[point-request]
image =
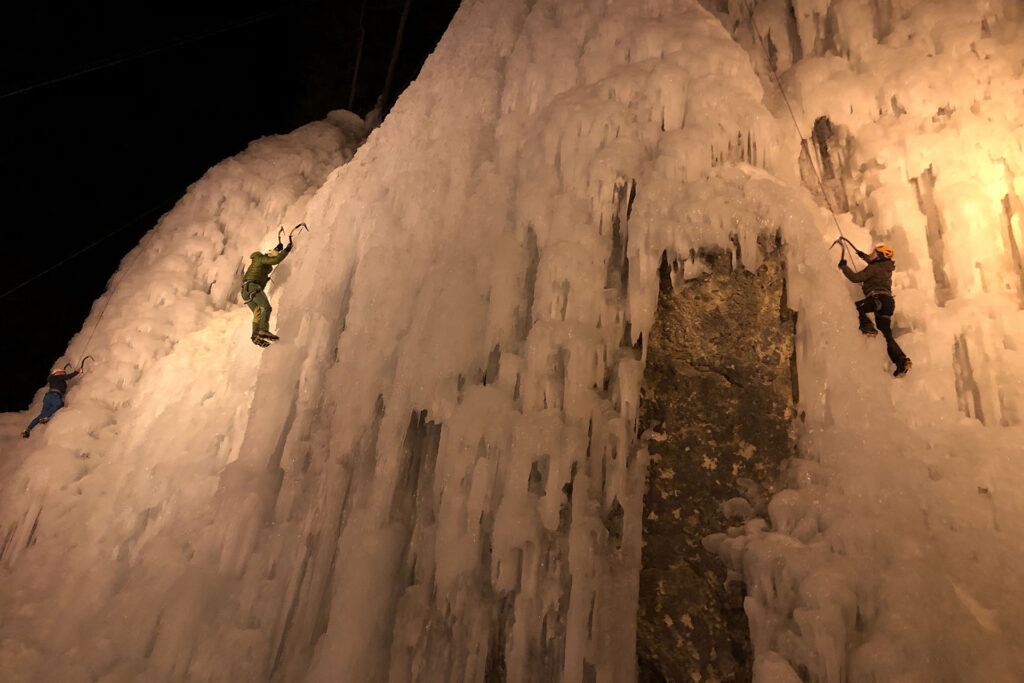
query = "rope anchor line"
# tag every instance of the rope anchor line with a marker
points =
(803, 141)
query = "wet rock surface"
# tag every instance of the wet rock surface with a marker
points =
(718, 396)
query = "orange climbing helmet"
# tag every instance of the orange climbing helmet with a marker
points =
(885, 251)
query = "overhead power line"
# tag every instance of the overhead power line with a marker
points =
(195, 37)
(163, 202)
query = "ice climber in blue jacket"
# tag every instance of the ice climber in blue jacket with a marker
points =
(53, 400)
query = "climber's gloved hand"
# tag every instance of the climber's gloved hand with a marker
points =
(864, 256)
(842, 263)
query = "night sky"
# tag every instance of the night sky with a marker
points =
(110, 111)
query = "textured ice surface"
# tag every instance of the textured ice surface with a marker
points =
(435, 473)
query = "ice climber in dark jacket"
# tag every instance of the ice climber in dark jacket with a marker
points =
(253, 283)
(876, 282)
(53, 400)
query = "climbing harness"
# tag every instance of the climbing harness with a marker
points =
(254, 292)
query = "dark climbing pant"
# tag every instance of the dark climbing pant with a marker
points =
(883, 306)
(52, 402)
(257, 301)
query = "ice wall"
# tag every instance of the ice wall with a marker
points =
(494, 302)
(435, 475)
(105, 514)
(890, 559)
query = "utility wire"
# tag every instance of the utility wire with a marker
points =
(803, 140)
(388, 80)
(99, 66)
(104, 238)
(359, 54)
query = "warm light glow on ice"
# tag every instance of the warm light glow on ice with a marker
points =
(414, 483)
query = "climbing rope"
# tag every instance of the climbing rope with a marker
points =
(113, 291)
(803, 141)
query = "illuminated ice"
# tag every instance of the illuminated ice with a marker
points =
(435, 474)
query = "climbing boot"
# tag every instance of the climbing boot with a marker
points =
(264, 334)
(902, 368)
(25, 434)
(868, 330)
(259, 341)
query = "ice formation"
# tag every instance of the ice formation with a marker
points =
(436, 474)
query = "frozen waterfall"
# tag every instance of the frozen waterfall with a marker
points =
(416, 482)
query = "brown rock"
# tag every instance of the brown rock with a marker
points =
(719, 390)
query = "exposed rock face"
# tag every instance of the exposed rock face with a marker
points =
(719, 390)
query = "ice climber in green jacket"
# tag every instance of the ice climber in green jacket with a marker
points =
(876, 282)
(253, 284)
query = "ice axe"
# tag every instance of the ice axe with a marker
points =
(292, 232)
(854, 248)
(842, 249)
(844, 244)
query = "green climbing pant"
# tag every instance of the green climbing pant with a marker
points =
(256, 299)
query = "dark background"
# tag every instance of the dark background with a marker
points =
(109, 111)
